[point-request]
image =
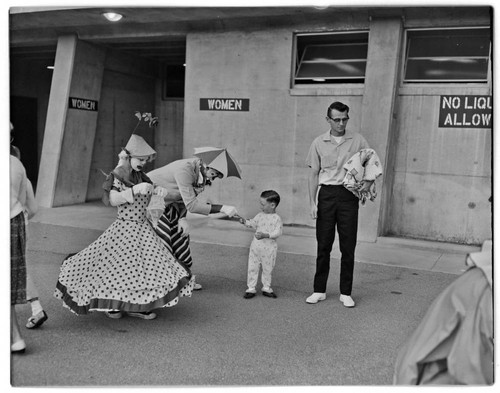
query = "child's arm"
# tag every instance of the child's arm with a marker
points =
(278, 228)
(251, 223)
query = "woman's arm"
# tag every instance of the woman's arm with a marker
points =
(31, 204)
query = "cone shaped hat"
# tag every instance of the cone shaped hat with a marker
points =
(138, 147)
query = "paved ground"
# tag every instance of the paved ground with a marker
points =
(93, 218)
(217, 338)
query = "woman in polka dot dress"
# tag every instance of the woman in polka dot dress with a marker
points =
(127, 270)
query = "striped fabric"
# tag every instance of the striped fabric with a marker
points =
(169, 232)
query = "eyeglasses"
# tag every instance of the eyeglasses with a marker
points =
(338, 119)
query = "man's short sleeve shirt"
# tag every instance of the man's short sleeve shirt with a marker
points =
(328, 157)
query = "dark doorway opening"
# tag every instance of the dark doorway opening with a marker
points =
(23, 115)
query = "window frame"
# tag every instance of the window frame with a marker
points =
(334, 82)
(444, 82)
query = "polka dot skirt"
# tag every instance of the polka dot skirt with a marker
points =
(127, 268)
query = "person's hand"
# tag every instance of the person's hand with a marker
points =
(160, 191)
(260, 235)
(228, 210)
(365, 185)
(183, 224)
(314, 211)
(142, 188)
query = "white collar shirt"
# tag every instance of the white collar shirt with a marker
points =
(328, 157)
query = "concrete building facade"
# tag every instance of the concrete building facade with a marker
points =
(242, 89)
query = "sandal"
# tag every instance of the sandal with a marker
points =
(37, 320)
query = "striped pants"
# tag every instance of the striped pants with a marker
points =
(170, 234)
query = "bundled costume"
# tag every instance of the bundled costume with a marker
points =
(364, 165)
(453, 344)
(263, 252)
(127, 268)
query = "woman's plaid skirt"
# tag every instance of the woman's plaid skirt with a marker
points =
(17, 260)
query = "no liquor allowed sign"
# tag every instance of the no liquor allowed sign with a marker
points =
(465, 111)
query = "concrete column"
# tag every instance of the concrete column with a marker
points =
(69, 132)
(381, 82)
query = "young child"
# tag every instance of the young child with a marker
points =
(268, 227)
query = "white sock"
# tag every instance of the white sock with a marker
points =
(36, 307)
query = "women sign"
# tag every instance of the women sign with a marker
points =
(465, 111)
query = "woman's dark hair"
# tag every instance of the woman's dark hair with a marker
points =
(271, 196)
(338, 106)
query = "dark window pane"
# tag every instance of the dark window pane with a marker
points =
(174, 86)
(463, 46)
(452, 69)
(347, 69)
(454, 55)
(331, 58)
(335, 52)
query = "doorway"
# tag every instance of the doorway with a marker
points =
(23, 115)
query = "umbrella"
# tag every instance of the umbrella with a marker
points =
(219, 159)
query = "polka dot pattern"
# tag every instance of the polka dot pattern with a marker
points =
(127, 268)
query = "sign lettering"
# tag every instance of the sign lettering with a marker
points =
(82, 104)
(465, 112)
(225, 104)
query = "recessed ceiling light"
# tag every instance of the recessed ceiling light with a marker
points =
(112, 16)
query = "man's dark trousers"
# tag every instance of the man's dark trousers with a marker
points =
(337, 207)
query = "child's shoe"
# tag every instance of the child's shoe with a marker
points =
(269, 294)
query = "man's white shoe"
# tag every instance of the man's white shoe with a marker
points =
(316, 297)
(347, 300)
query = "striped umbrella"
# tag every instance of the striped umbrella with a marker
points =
(219, 159)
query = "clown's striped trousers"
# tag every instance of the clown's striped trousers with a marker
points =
(170, 234)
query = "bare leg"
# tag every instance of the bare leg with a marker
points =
(16, 338)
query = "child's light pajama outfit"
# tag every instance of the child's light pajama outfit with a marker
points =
(263, 252)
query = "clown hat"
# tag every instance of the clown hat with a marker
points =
(138, 147)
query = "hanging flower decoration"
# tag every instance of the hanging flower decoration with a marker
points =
(147, 117)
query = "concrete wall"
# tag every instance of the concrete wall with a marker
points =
(256, 65)
(442, 178)
(131, 84)
(272, 139)
(436, 183)
(69, 133)
(169, 133)
(121, 97)
(128, 86)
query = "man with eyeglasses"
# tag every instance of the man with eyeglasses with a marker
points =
(333, 205)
